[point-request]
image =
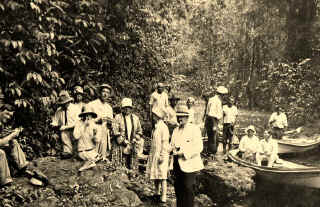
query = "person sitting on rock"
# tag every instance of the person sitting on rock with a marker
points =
(278, 122)
(65, 119)
(11, 151)
(85, 131)
(249, 146)
(269, 149)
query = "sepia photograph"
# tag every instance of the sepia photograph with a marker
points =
(159, 103)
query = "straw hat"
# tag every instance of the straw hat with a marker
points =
(251, 127)
(182, 110)
(64, 97)
(126, 102)
(78, 89)
(86, 111)
(105, 86)
(160, 85)
(222, 90)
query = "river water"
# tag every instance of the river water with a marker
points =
(268, 194)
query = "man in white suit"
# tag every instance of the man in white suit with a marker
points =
(186, 145)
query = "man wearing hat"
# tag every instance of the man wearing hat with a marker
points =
(249, 146)
(64, 119)
(213, 116)
(85, 131)
(127, 131)
(104, 111)
(158, 99)
(78, 98)
(230, 112)
(186, 145)
(278, 122)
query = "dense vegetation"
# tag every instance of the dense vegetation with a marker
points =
(265, 51)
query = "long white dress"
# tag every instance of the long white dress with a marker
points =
(159, 149)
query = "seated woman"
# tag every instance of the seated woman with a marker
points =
(85, 131)
(249, 146)
(269, 149)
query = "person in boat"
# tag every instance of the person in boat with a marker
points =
(64, 119)
(213, 118)
(190, 104)
(230, 113)
(278, 122)
(85, 131)
(249, 145)
(102, 107)
(268, 149)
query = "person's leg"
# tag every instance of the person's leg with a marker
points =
(5, 177)
(188, 190)
(18, 156)
(210, 134)
(66, 141)
(157, 187)
(225, 137)
(164, 190)
(178, 182)
(102, 145)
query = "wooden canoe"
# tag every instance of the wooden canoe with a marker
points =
(285, 172)
(287, 145)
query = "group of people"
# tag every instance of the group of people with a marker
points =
(256, 150)
(117, 139)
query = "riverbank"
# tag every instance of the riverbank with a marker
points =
(220, 183)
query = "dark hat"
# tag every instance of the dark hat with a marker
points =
(64, 97)
(86, 111)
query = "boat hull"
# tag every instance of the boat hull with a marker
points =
(286, 147)
(289, 173)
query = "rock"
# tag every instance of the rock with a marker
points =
(203, 200)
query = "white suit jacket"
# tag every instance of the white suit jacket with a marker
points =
(190, 142)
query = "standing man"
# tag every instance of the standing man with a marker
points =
(127, 128)
(230, 113)
(186, 145)
(158, 100)
(278, 122)
(64, 119)
(78, 98)
(214, 116)
(104, 111)
(171, 119)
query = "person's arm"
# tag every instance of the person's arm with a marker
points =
(272, 119)
(77, 130)
(5, 141)
(151, 102)
(285, 121)
(242, 144)
(138, 127)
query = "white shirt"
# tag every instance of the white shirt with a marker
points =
(190, 142)
(159, 101)
(269, 147)
(251, 145)
(85, 135)
(171, 116)
(214, 107)
(101, 109)
(72, 113)
(280, 120)
(230, 114)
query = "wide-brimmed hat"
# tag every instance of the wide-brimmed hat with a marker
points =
(160, 85)
(191, 100)
(87, 111)
(222, 90)
(126, 102)
(78, 90)
(64, 97)
(182, 110)
(251, 127)
(105, 86)
(159, 113)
